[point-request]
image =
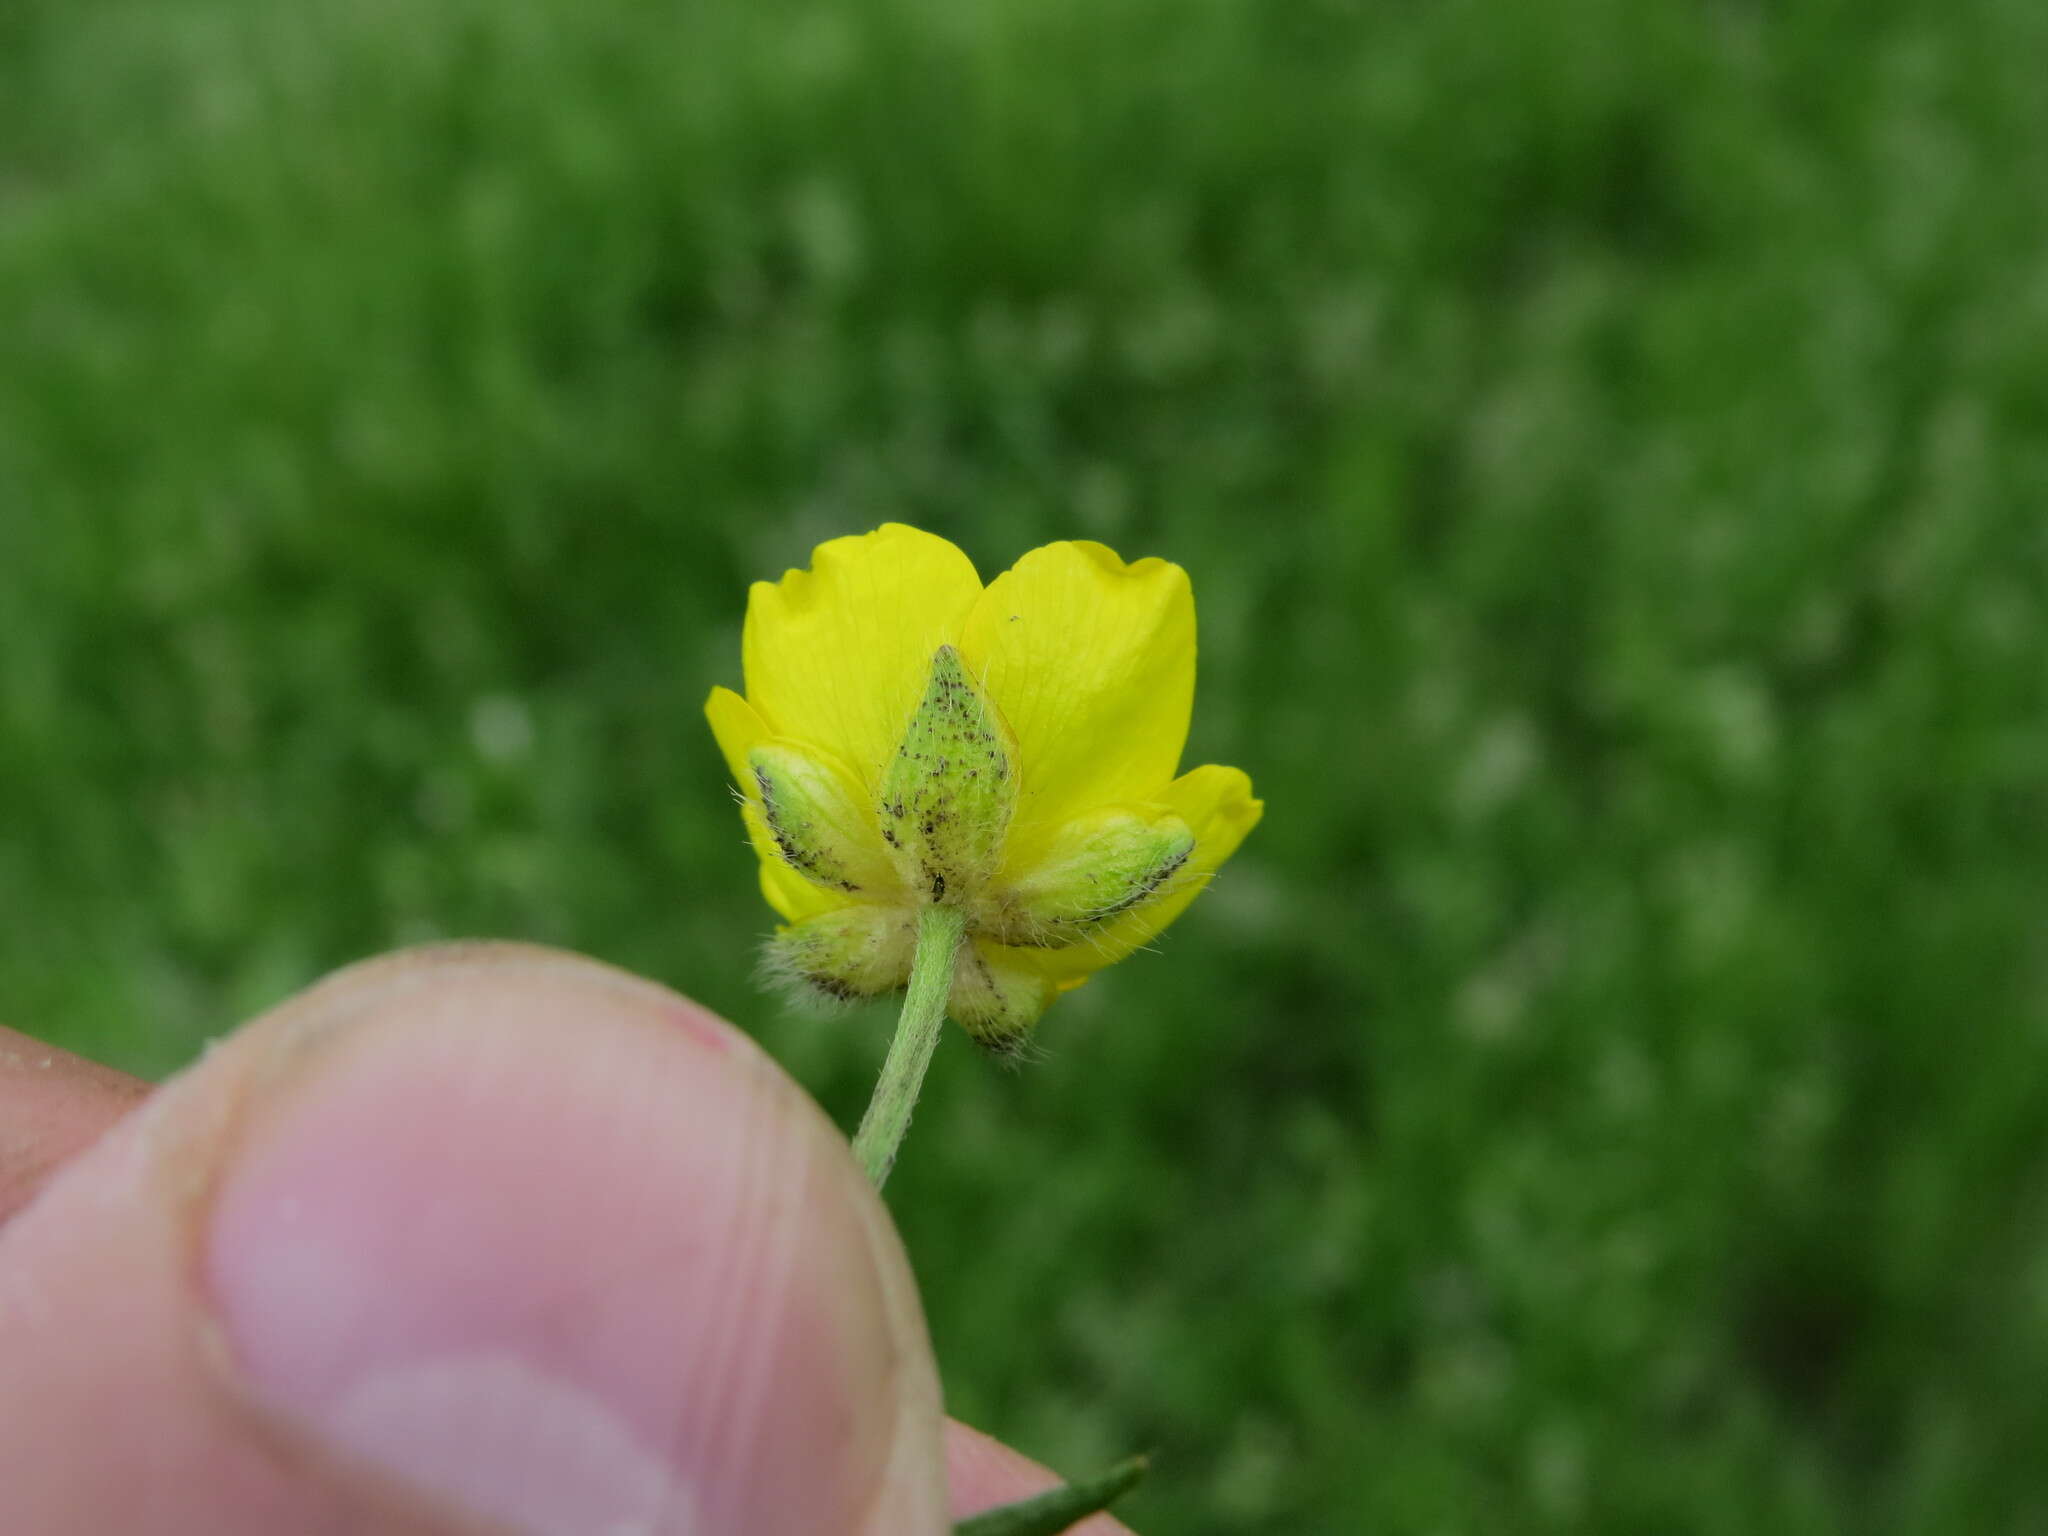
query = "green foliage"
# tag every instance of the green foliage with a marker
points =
(1610, 443)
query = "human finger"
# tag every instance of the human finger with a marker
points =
(53, 1105)
(485, 1238)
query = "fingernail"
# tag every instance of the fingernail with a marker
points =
(534, 1252)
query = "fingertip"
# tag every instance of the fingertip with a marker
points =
(525, 1237)
(557, 1244)
(53, 1105)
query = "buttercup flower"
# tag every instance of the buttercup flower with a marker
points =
(911, 738)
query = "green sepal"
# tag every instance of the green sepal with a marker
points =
(947, 794)
(1061, 1509)
(844, 955)
(811, 808)
(995, 1000)
(1096, 868)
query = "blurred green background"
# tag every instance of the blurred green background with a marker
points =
(1610, 443)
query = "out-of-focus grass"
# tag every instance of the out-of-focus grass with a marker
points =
(1611, 446)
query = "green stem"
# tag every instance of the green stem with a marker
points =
(917, 1034)
(1062, 1508)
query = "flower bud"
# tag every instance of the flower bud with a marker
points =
(1096, 867)
(813, 812)
(947, 795)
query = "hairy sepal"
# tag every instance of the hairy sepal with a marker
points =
(1096, 868)
(843, 956)
(996, 1000)
(816, 818)
(948, 793)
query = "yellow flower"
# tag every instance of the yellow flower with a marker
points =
(910, 737)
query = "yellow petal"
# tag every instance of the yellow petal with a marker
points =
(1092, 663)
(737, 729)
(838, 655)
(1217, 804)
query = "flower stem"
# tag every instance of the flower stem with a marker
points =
(917, 1034)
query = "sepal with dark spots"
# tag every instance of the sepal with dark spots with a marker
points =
(846, 955)
(1096, 868)
(995, 999)
(947, 795)
(814, 815)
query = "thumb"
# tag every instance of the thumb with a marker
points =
(470, 1239)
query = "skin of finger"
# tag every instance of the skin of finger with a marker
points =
(103, 1320)
(53, 1105)
(984, 1474)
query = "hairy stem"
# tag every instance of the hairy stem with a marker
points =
(939, 930)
